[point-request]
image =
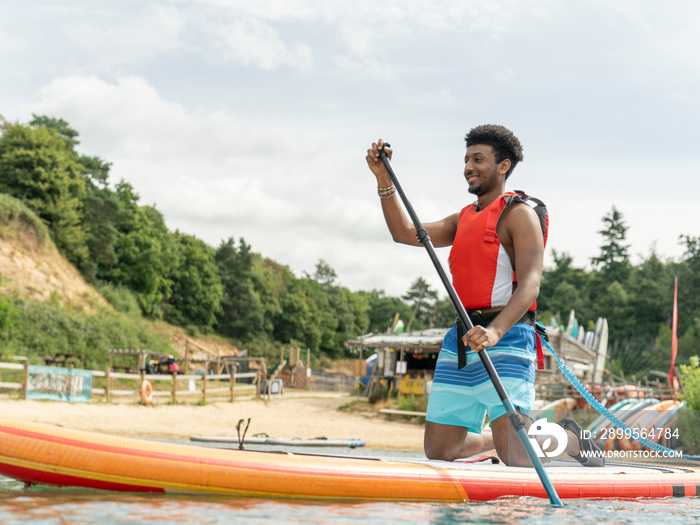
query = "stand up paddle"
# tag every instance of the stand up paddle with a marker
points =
(513, 416)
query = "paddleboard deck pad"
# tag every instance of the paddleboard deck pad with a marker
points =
(41, 454)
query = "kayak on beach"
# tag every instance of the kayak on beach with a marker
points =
(35, 453)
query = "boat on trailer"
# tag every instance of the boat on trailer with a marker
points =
(41, 454)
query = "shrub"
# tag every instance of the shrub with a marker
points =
(121, 298)
(41, 330)
(13, 211)
(689, 417)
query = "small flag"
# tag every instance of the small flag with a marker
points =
(674, 335)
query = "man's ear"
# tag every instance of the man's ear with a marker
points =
(504, 166)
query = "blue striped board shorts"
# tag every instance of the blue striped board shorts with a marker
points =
(464, 397)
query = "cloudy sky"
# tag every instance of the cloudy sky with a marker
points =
(252, 118)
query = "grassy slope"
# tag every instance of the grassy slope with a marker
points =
(47, 308)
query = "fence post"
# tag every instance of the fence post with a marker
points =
(138, 392)
(258, 385)
(204, 385)
(187, 356)
(233, 381)
(108, 386)
(26, 379)
(174, 388)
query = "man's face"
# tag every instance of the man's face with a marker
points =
(481, 170)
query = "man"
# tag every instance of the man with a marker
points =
(496, 264)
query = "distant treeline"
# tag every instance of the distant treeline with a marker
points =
(126, 250)
(637, 300)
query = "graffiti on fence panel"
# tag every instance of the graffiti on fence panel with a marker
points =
(59, 384)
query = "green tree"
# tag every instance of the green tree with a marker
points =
(653, 284)
(689, 420)
(297, 323)
(325, 321)
(242, 313)
(60, 126)
(196, 285)
(93, 168)
(100, 205)
(39, 167)
(145, 253)
(270, 284)
(7, 326)
(566, 297)
(343, 314)
(333, 315)
(349, 314)
(613, 261)
(443, 314)
(615, 305)
(382, 309)
(422, 298)
(650, 290)
(324, 274)
(360, 309)
(102, 212)
(689, 340)
(311, 311)
(318, 289)
(564, 287)
(291, 305)
(688, 282)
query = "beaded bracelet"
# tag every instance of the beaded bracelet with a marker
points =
(385, 193)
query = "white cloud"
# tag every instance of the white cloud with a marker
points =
(216, 175)
(10, 43)
(265, 9)
(129, 116)
(251, 118)
(256, 43)
(113, 38)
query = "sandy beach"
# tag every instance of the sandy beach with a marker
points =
(304, 416)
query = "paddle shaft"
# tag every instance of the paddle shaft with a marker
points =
(513, 416)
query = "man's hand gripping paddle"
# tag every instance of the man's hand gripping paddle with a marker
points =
(513, 416)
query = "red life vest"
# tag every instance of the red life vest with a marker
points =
(482, 272)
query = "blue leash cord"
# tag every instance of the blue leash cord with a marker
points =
(668, 452)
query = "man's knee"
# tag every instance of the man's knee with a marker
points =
(440, 453)
(444, 442)
(509, 447)
(440, 449)
(515, 460)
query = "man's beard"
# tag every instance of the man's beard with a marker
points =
(483, 187)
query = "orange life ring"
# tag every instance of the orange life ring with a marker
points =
(146, 392)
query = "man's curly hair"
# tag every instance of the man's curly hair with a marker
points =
(505, 145)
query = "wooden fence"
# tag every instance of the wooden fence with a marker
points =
(203, 386)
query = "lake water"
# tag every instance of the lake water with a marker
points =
(54, 506)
